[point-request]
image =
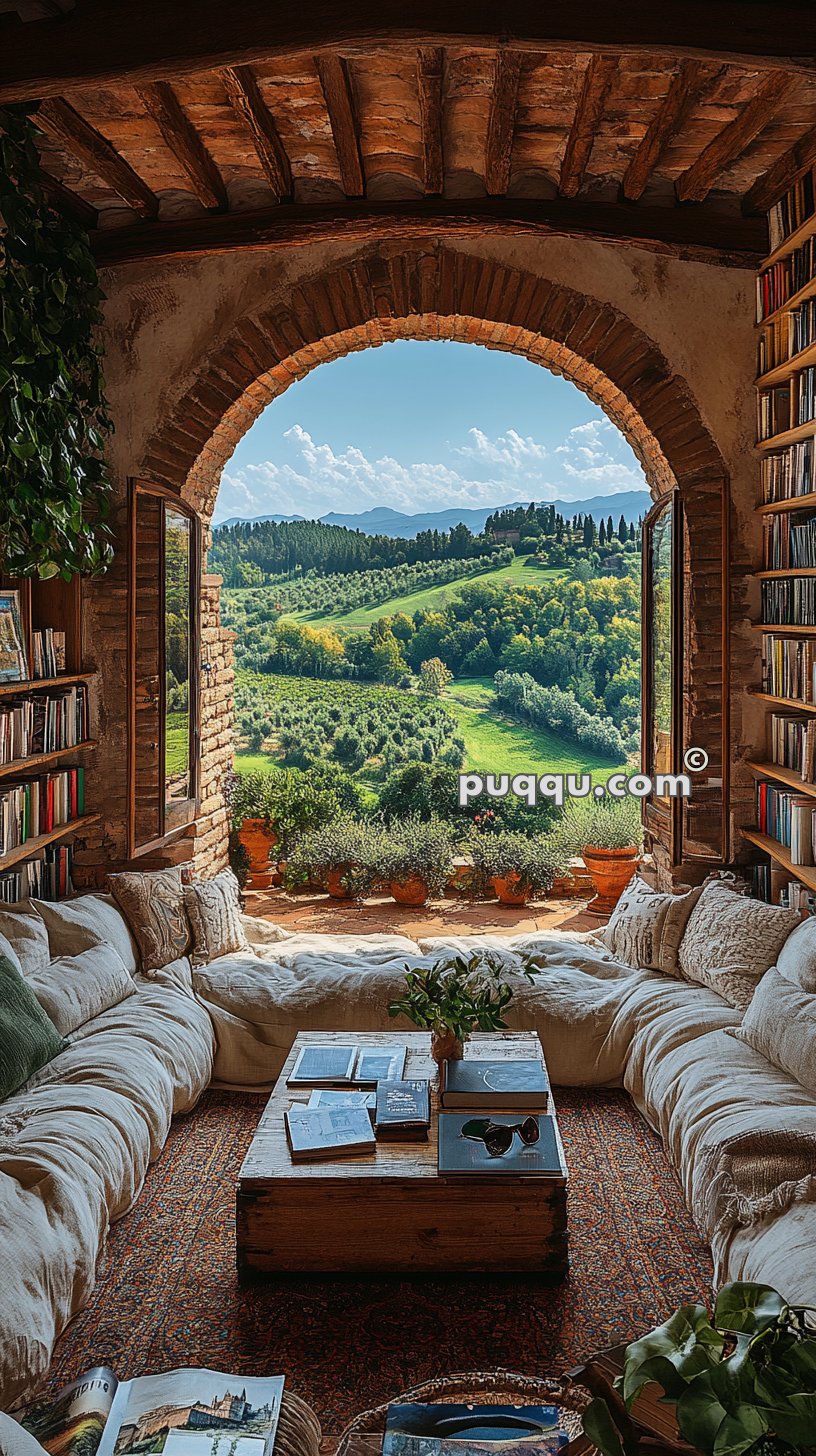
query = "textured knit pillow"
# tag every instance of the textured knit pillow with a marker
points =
(214, 912)
(27, 1038)
(634, 931)
(153, 905)
(731, 941)
(75, 989)
(780, 1024)
(797, 959)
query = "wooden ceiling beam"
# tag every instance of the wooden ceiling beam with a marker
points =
(335, 83)
(69, 202)
(501, 123)
(430, 73)
(684, 90)
(772, 184)
(245, 98)
(598, 78)
(696, 182)
(58, 119)
(102, 42)
(183, 140)
(697, 233)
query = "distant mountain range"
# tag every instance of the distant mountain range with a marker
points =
(383, 521)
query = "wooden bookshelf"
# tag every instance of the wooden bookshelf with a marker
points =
(786, 776)
(43, 760)
(786, 572)
(36, 684)
(796, 503)
(32, 847)
(776, 702)
(780, 855)
(788, 437)
(788, 367)
(783, 629)
(793, 241)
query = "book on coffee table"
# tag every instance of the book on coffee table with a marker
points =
(505, 1086)
(471, 1430)
(403, 1111)
(323, 1064)
(459, 1153)
(379, 1064)
(328, 1132)
(339, 1097)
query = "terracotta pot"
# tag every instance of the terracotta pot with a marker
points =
(446, 1046)
(335, 881)
(611, 871)
(258, 840)
(411, 891)
(511, 889)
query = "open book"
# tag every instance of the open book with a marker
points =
(187, 1412)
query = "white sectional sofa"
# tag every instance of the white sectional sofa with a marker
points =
(76, 1140)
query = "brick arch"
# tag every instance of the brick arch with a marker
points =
(432, 294)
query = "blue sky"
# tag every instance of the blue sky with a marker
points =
(425, 426)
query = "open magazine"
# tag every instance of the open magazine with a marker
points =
(187, 1412)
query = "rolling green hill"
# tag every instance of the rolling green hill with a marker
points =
(524, 571)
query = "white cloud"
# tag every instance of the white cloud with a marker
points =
(311, 478)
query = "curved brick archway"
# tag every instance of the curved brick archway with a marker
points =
(433, 294)
(392, 292)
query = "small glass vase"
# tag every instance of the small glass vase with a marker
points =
(446, 1046)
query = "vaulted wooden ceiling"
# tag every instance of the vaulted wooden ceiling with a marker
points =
(236, 145)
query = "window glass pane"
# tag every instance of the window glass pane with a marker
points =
(177, 569)
(659, 596)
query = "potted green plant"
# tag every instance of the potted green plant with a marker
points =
(609, 835)
(516, 867)
(455, 997)
(418, 861)
(346, 855)
(743, 1381)
(253, 802)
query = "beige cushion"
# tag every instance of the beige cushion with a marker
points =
(730, 942)
(780, 1024)
(26, 931)
(153, 905)
(75, 989)
(634, 931)
(797, 959)
(214, 912)
(77, 925)
(674, 928)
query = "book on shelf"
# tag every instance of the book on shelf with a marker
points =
(48, 652)
(501, 1086)
(328, 1064)
(189, 1409)
(40, 804)
(788, 818)
(786, 336)
(13, 658)
(774, 885)
(792, 742)
(461, 1153)
(792, 210)
(339, 1097)
(789, 541)
(790, 601)
(789, 473)
(462, 1430)
(774, 411)
(47, 876)
(789, 667)
(43, 723)
(403, 1110)
(328, 1132)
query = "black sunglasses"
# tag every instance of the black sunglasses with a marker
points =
(498, 1136)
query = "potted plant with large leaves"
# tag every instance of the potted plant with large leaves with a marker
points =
(608, 835)
(515, 866)
(418, 861)
(455, 997)
(742, 1383)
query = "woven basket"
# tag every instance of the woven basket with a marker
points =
(298, 1430)
(363, 1436)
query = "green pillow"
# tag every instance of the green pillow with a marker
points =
(28, 1038)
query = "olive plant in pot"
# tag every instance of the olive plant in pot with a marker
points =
(253, 802)
(455, 997)
(608, 835)
(515, 866)
(742, 1383)
(418, 861)
(346, 855)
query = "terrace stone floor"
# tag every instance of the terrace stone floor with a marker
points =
(317, 912)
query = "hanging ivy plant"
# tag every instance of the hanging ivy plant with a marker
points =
(54, 483)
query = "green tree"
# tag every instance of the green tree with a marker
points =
(434, 677)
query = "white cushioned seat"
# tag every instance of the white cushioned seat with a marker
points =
(780, 1252)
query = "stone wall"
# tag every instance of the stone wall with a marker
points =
(196, 350)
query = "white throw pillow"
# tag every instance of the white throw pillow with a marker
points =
(634, 930)
(28, 936)
(75, 989)
(214, 912)
(731, 941)
(89, 920)
(797, 958)
(780, 1024)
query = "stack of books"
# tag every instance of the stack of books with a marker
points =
(793, 744)
(48, 652)
(47, 877)
(40, 804)
(789, 667)
(774, 411)
(43, 724)
(790, 473)
(789, 542)
(788, 818)
(508, 1094)
(790, 212)
(403, 1111)
(791, 601)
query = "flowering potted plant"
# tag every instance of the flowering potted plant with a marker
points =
(418, 861)
(517, 867)
(455, 997)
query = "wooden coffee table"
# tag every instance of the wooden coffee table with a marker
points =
(389, 1211)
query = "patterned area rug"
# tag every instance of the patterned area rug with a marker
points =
(168, 1293)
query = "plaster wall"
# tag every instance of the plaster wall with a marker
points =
(163, 321)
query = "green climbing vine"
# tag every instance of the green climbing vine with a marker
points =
(54, 483)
